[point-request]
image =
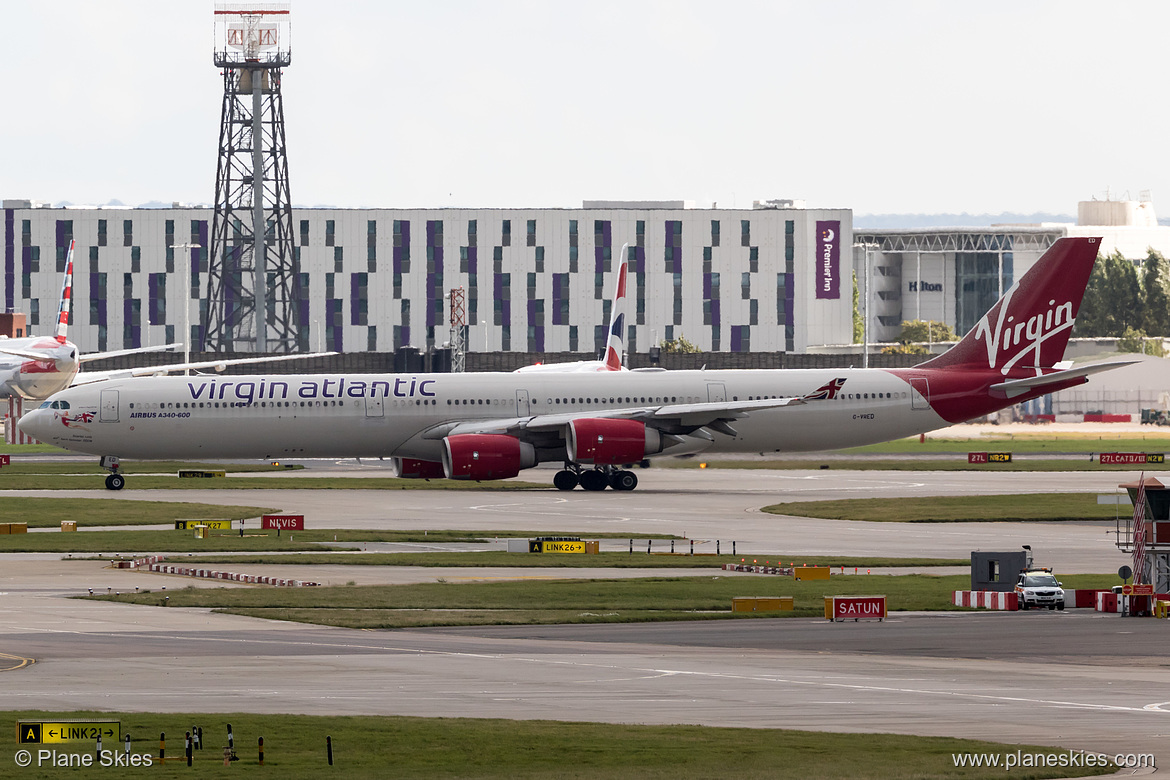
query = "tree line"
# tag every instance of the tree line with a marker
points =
(1119, 302)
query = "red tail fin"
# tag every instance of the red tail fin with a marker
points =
(1029, 326)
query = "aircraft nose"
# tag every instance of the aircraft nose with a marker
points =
(35, 424)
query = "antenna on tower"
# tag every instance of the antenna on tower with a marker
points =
(253, 284)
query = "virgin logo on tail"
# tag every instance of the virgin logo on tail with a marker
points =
(1029, 326)
(1008, 333)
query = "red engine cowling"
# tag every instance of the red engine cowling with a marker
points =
(610, 442)
(481, 456)
(412, 468)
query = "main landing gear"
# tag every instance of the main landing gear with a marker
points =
(594, 479)
(115, 481)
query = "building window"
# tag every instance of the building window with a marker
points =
(506, 233)
(714, 232)
(127, 233)
(330, 232)
(532, 232)
(304, 232)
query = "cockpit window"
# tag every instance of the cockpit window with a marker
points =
(45, 405)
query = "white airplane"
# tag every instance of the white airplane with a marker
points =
(45, 365)
(615, 345)
(493, 425)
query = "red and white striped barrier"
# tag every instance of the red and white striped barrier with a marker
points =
(13, 434)
(987, 599)
(155, 564)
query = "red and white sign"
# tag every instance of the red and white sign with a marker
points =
(859, 607)
(283, 522)
(5, 460)
(1137, 590)
(976, 457)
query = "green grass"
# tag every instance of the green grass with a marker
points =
(607, 560)
(538, 600)
(130, 542)
(49, 512)
(404, 747)
(253, 540)
(1157, 440)
(172, 467)
(1060, 507)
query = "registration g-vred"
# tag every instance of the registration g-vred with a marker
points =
(493, 425)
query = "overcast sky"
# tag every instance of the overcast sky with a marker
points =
(875, 106)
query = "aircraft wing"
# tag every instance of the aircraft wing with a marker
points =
(119, 352)
(89, 377)
(670, 418)
(1014, 387)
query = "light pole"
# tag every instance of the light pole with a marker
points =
(186, 300)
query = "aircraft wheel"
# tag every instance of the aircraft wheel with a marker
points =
(624, 480)
(594, 480)
(565, 480)
(115, 482)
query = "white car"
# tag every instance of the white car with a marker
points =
(1039, 588)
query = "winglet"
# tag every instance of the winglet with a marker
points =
(66, 297)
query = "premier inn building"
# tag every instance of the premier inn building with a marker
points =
(775, 278)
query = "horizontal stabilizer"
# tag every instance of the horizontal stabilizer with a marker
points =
(89, 377)
(28, 354)
(1014, 387)
(92, 356)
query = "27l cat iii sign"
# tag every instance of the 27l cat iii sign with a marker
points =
(1130, 458)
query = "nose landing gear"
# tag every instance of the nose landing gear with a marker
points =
(115, 481)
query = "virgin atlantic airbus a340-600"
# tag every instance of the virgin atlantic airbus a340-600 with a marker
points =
(493, 425)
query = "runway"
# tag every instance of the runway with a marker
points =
(968, 675)
(1074, 679)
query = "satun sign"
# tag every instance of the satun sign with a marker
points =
(283, 522)
(838, 608)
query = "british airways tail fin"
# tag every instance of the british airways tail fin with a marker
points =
(66, 297)
(615, 345)
(1029, 327)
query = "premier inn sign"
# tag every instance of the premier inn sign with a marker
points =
(828, 259)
